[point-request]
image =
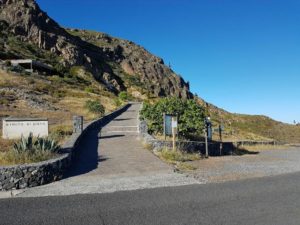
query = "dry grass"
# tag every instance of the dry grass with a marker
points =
(13, 158)
(5, 145)
(61, 132)
(176, 156)
(183, 166)
(9, 157)
(68, 98)
(180, 160)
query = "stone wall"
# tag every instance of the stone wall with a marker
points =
(187, 146)
(35, 174)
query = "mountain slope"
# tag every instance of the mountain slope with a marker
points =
(29, 23)
(95, 65)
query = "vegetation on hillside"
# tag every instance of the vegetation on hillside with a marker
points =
(95, 107)
(71, 87)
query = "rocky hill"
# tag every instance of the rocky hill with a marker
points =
(112, 61)
(95, 65)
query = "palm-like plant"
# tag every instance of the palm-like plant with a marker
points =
(46, 144)
(29, 144)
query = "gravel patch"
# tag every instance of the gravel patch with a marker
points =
(266, 163)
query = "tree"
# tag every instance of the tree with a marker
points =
(190, 116)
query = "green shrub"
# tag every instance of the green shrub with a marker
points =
(117, 102)
(35, 145)
(89, 90)
(29, 150)
(190, 116)
(123, 96)
(95, 107)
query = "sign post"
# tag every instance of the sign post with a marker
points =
(165, 135)
(174, 129)
(221, 128)
(207, 133)
(171, 127)
(206, 144)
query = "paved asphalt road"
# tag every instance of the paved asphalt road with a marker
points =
(266, 201)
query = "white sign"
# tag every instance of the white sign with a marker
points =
(15, 128)
(174, 124)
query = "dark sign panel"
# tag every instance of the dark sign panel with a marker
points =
(168, 124)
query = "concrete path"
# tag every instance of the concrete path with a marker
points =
(113, 159)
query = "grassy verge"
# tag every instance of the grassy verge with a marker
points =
(8, 156)
(179, 159)
(13, 158)
(5, 145)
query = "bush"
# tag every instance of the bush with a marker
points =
(117, 102)
(35, 145)
(29, 150)
(123, 96)
(190, 116)
(95, 107)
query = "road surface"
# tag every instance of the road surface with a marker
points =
(266, 201)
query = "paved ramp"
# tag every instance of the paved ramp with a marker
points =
(111, 159)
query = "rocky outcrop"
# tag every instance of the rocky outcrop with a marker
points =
(96, 52)
(28, 22)
(134, 60)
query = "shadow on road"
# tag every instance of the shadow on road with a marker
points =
(111, 136)
(123, 119)
(87, 158)
(242, 151)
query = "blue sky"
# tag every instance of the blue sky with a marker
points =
(243, 56)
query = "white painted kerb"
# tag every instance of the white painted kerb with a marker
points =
(15, 128)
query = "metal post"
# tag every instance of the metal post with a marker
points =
(174, 134)
(221, 140)
(164, 115)
(206, 144)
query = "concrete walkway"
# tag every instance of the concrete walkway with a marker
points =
(113, 159)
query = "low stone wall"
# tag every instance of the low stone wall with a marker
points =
(187, 146)
(35, 174)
